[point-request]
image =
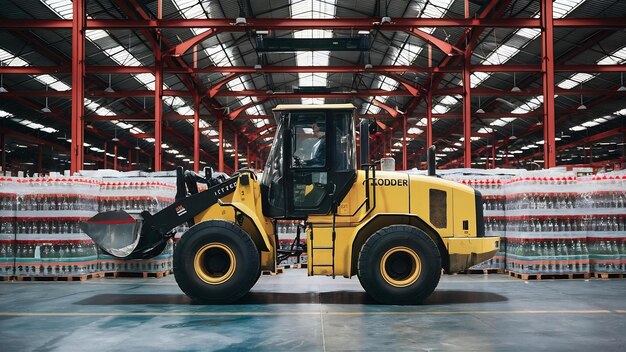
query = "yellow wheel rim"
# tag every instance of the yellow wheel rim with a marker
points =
(215, 263)
(400, 266)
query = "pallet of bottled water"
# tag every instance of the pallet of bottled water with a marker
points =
(48, 239)
(492, 190)
(135, 194)
(603, 201)
(286, 232)
(8, 199)
(545, 229)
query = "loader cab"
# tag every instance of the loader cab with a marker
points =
(312, 162)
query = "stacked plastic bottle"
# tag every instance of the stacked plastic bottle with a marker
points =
(286, 231)
(545, 227)
(135, 194)
(8, 200)
(603, 201)
(48, 240)
(493, 195)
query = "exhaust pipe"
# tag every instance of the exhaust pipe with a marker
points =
(430, 156)
(365, 142)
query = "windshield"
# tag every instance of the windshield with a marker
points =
(273, 167)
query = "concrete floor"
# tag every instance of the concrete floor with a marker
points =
(291, 312)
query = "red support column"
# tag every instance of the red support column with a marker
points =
(547, 65)
(467, 110)
(405, 157)
(4, 155)
(104, 156)
(158, 108)
(115, 156)
(220, 131)
(429, 119)
(248, 155)
(236, 152)
(196, 132)
(78, 93)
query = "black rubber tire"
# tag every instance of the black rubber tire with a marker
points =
(246, 271)
(372, 252)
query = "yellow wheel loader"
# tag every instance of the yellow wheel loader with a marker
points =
(395, 231)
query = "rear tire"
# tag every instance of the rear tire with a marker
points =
(399, 264)
(216, 262)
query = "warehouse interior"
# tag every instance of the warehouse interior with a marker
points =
(101, 101)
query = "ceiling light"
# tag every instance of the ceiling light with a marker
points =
(262, 32)
(115, 139)
(109, 89)
(385, 19)
(240, 21)
(2, 89)
(257, 67)
(368, 66)
(515, 88)
(480, 110)
(363, 32)
(622, 88)
(46, 108)
(89, 126)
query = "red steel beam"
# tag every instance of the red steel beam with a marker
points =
(547, 46)
(196, 132)
(158, 107)
(386, 70)
(397, 24)
(284, 95)
(467, 109)
(78, 86)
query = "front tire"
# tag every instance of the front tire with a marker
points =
(216, 262)
(399, 264)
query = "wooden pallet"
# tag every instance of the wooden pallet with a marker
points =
(609, 275)
(279, 270)
(67, 278)
(483, 271)
(569, 276)
(145, 274)
(294, 266)
(6, 278)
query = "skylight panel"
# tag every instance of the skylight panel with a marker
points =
(436, 9)
(9, 59)
(477, 77)
(575, 80)
(190, 8)
(313, 9)
(485, 130)
(63, 8)
(578, 128)
(52, 82)
(4, 114)
(122, 56)
(414, 130)
(529, 33)
(616, 58)
(501, 55)
(95, 34)
(562, 8)
(529, 105)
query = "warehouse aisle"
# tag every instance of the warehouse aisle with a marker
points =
(296, 313)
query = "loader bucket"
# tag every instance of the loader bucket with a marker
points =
(116, 232)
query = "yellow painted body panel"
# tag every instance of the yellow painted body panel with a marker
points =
(396, 198)
(247, 199)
